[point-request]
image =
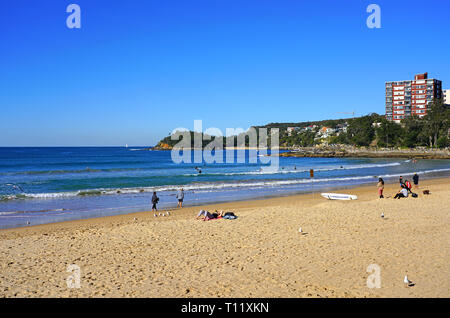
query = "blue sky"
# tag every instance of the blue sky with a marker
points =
(138, 69)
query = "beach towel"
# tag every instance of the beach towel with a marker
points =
(210, 219)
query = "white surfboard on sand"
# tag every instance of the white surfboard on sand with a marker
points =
(339, 196)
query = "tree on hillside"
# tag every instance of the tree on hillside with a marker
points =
(360, 131)
(412, 132)
(388, 133)
(436, 122)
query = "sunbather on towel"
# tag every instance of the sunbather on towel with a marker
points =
(207, 215)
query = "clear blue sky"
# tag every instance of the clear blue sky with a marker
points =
(138, 69)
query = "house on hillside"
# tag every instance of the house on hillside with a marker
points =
(341, 128)
(290, 130)
(325, 132)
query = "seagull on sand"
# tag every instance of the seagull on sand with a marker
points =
(407, 281)
(382, 215)
(300, 230)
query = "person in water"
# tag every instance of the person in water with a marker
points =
(380, 186)
(155, 200)
(180, 197)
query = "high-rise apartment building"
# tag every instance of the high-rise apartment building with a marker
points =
(406, 98)
(446, 96)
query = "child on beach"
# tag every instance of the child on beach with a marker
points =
(155, 200)
(380, 186)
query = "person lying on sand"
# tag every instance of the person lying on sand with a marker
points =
(207, 215)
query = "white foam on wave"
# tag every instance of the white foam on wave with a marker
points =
(209, 186)
(278, 171)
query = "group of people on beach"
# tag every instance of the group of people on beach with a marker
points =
(179, 196)
(405, 187)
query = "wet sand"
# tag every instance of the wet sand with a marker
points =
(260, 254)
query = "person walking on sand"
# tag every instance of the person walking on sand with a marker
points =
(380, 186)
(416, 180)
(155, 200)
(180, 197)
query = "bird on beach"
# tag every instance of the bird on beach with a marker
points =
(154, 215)
(300, 230)
(168, 213)
(135, 219)
(382, 215)
(407, 281)
(163, 214)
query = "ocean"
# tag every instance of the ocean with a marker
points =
(49, 184)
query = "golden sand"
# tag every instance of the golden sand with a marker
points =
(261, 254)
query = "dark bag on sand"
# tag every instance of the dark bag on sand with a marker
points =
(426, 191)
(414, 195)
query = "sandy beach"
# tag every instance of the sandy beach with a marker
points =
(260, 254)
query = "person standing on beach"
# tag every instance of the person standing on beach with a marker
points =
(180, 197)
(155, 200)
(380, 186)
(416, 180)
(400, 180)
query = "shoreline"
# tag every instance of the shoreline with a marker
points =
(352, 152)
(230, 205)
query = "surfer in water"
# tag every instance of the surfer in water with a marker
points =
(198, 170)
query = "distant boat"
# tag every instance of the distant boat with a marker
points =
(126, 145)
(338, 196)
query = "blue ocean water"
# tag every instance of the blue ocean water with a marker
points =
(43, 185)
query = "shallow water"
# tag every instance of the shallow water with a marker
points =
(72, 183)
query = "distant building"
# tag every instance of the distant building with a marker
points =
(325, 132)
(406, 98)
(341, 128)
(446, 94)
(290, 130)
